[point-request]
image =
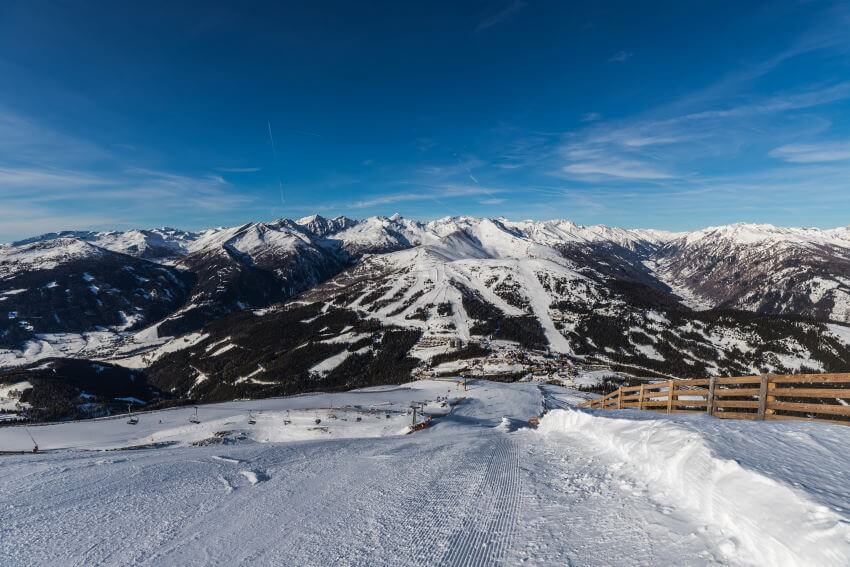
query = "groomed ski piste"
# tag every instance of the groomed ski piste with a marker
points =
(480, 486)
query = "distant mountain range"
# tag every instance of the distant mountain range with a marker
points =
(288, 306)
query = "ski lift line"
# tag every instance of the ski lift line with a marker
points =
(30, 435)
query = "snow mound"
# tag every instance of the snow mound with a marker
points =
(764, 522)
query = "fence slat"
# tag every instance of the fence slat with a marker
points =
(735, 415)
(729, 392)
(694, 392)
(696, 403)
(812, 392)
(739, 380)
(750, 404)
(832, 409)
(804, 378)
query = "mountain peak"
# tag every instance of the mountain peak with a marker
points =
(321, 226)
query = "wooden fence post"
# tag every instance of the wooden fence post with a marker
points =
(640, 397)
(769, 398)
(620, 397)
(669, 396)
(712, 381)
(762, 396)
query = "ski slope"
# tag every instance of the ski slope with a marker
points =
(479, 487)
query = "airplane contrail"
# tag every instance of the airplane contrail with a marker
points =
(277, 169)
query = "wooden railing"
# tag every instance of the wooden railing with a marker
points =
(769, 396)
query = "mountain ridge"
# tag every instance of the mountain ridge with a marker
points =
(286, 305)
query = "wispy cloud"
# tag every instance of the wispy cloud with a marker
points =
(621, 57)
(238, 169)
(614, 167)
(53, 181)
(46, 178)
(489, 202)
(425, 193)
(25, 141)
(460, 167)
(813, 153)
(501, 16)
(670, 147)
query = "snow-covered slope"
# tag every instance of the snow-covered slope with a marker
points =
(66, 285)
(321, 226)
(478, 487)
(612, 294)
(250, 266)
(159, 244)
(761, 268)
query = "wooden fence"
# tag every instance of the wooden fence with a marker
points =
(769, 396)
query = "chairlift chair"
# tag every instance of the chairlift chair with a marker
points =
(194, 418)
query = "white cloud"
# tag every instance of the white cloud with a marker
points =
(677, 146)
(618, 168)
(813, 153)
(11, 177)
(53, 181)
(492, 201)
(426, 194)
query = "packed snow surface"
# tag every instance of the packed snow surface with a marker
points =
(331, 479)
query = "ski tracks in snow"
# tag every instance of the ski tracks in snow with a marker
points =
(488, 526)
(451, 503)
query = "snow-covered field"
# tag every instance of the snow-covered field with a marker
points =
(479, 487)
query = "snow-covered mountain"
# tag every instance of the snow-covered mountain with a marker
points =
(761, 268)
(286, 306)
(160, 244)
(68, 285)
(251, 266)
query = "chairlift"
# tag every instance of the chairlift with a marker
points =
(133, 419)
(251, 419)
(318, 421)
(194, 418)
(287, 420)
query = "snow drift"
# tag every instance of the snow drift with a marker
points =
(762, 521)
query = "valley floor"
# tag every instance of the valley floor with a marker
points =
(476, 488)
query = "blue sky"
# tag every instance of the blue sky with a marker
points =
(672, 115)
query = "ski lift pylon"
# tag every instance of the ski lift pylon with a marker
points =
(133, 419)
